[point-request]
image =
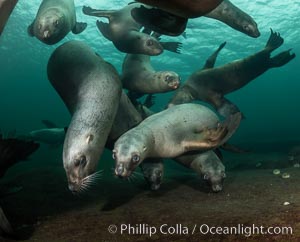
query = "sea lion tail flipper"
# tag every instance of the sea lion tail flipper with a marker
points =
(159, 20)
(49, 124)
(282, 58)
(30, 30)
(97, 13)
(172, 46)
(4, 224)
(274, 41)
(210, 62)
(104, 29)
(79, 27)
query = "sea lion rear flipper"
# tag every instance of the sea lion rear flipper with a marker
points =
(79, 27)
(104, 29)
(172, 46)
(274, 41)
(30, 30)
(4, 224)
(149, 101)
(159, 21)
(97, 13)
(282, 58)
(227, 108)
(210, 138)
(210, 62)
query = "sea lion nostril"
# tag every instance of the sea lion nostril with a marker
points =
(119, 170)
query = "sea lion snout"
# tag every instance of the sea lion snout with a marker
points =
(172, 79)
(121, 171)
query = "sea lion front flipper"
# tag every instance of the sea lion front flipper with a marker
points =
(4, 224)
(172, 46)
(149, 101)
(210, 138)
(97, 13)
(79, 27)
(210, 62)
(104, 29)
(159, 21)
(30, 30)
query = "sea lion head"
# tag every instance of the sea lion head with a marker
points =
(48, 26)
(146, 44)
(249, 27)
(170, 80)
(128, 155)
(214, 177)
(153, 176)
(80, 158)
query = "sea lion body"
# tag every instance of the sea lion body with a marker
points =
(171, 133)
(139, 76)
(212, 84)
(208, 165)
(6, 8)
(91, 90)
(234, 17)
(185, 9)
(123, 31)
(294, 155)
(54, 20)
(51, 136)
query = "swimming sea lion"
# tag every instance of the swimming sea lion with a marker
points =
(231, 15)
(185, 9)
(12, 150)
(54, 20)
(123, 31)
(138, 75)
(171, 133)
(208, 165)
(210, 85)
(91, 90)
(6, 8)
(294, 155)
(50, 136)
(153, 171)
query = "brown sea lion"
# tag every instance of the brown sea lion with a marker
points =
(54, 20)
(212, 84)
(208, 165)
(185, 9)
(125, 33)
(12, 150)
(6, 8)
(171, 133)
(138, 75)
(91, 90)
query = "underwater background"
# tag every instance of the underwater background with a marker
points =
(270, 103)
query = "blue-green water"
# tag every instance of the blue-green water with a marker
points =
(270, 103)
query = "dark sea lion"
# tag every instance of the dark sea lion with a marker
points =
(54, 20)
(138, 75)
(210, 85)
(185, 9)
(170, 133)
(231, 15)
(208, 165)
(153, 171)
(6, 8)
(91, 90)
(12, 150)
(294, 155)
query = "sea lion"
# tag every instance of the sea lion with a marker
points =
(185, 9)
(12, 150)
(125, 33)
(294, 155)
(234, 17)
(208, 165)
(50, 136)
(6, 8)
(210, 85)
(169, 24)
(171, 133)
(153, 171)
(138, 75)
(91, 90)
(54, 20)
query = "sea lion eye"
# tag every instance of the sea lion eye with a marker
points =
(205, 177)
(150, 42)
(56, 23)
(223, 174)
(114, 155)
(135, 158)
(81, 161)
(246, 27)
